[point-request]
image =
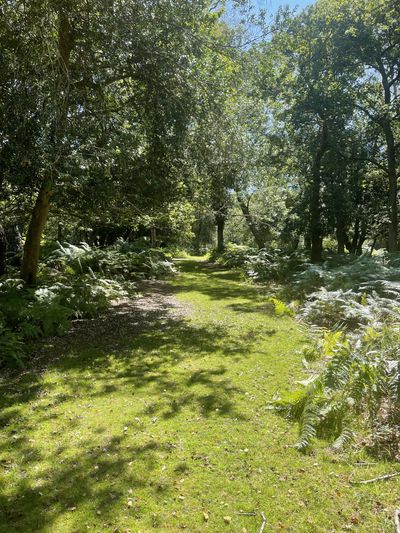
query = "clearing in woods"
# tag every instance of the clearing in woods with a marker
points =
(156, 418)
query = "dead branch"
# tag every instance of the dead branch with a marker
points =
(264, 522)
(379, 478)
(397, 520)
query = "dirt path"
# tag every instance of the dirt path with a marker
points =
(155, 306)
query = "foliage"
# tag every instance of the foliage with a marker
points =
(75, 282)
(358, 384)
(120, 261)
(129, 417)
(233, 256)
(28, 314)
(274, 265)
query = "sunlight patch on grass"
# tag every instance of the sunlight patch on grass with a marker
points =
(176, 424)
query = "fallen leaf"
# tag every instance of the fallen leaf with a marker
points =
(206, 517)
(227, 519)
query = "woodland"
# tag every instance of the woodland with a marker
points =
(199, 266)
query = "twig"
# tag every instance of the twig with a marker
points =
(379, 478)
(264, 522)
(246, 514)
(397, 520)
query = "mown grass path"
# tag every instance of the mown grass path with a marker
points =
(157, 419)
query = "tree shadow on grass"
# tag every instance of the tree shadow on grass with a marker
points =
(142, 349)
(92, 481)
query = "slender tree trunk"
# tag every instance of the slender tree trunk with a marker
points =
(220, 220)
(391, 161)
(356, 236)
(307, 241)
(3, 250)
(197, 232)
(37, 223)
(371, 250)
(258, 234)
(341, 235)
(14, 239)
(393, 188)
(315, 204)
(361, 239)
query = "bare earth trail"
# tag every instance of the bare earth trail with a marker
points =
(155, 417)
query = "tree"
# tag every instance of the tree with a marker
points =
(373, 43)
(113, 88)
(301, 77)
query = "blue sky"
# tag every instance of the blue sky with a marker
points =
(272, 5)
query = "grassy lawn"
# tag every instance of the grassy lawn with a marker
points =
(171, 431)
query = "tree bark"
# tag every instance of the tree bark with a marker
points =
(37, 223)
(352, 245)
(315, 204)
(393, 188)
(361, 239)
(14, 239)
(66, 39)
(3, 250)
(341, 236)
(220, 221)
(197, 233)
(391, 161)
(258, 234)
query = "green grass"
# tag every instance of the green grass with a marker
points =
(173, 427)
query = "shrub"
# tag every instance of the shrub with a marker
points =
(357, 384)
(348, 309)
(234, 255)
(118, 261)
(28, 314)
(273, 265)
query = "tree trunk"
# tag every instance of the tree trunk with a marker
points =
(37, 223)
(391, 160)
(352, 246)
(361, 239)
(66, 40)
(393, 188)
(258, 234)
(220, 220)
(341, 235)
(14, 239)
(315, 204)
(197, 233)
(307, 241)
(3, 251)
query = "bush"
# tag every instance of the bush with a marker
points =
(28, 314)
(118, 261)
(273, 265)
(354, 382)
(234, 255)
(357, 385)
(75, 282)
(349, 309)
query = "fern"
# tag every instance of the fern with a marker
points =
(359, 382)
(346, 436)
